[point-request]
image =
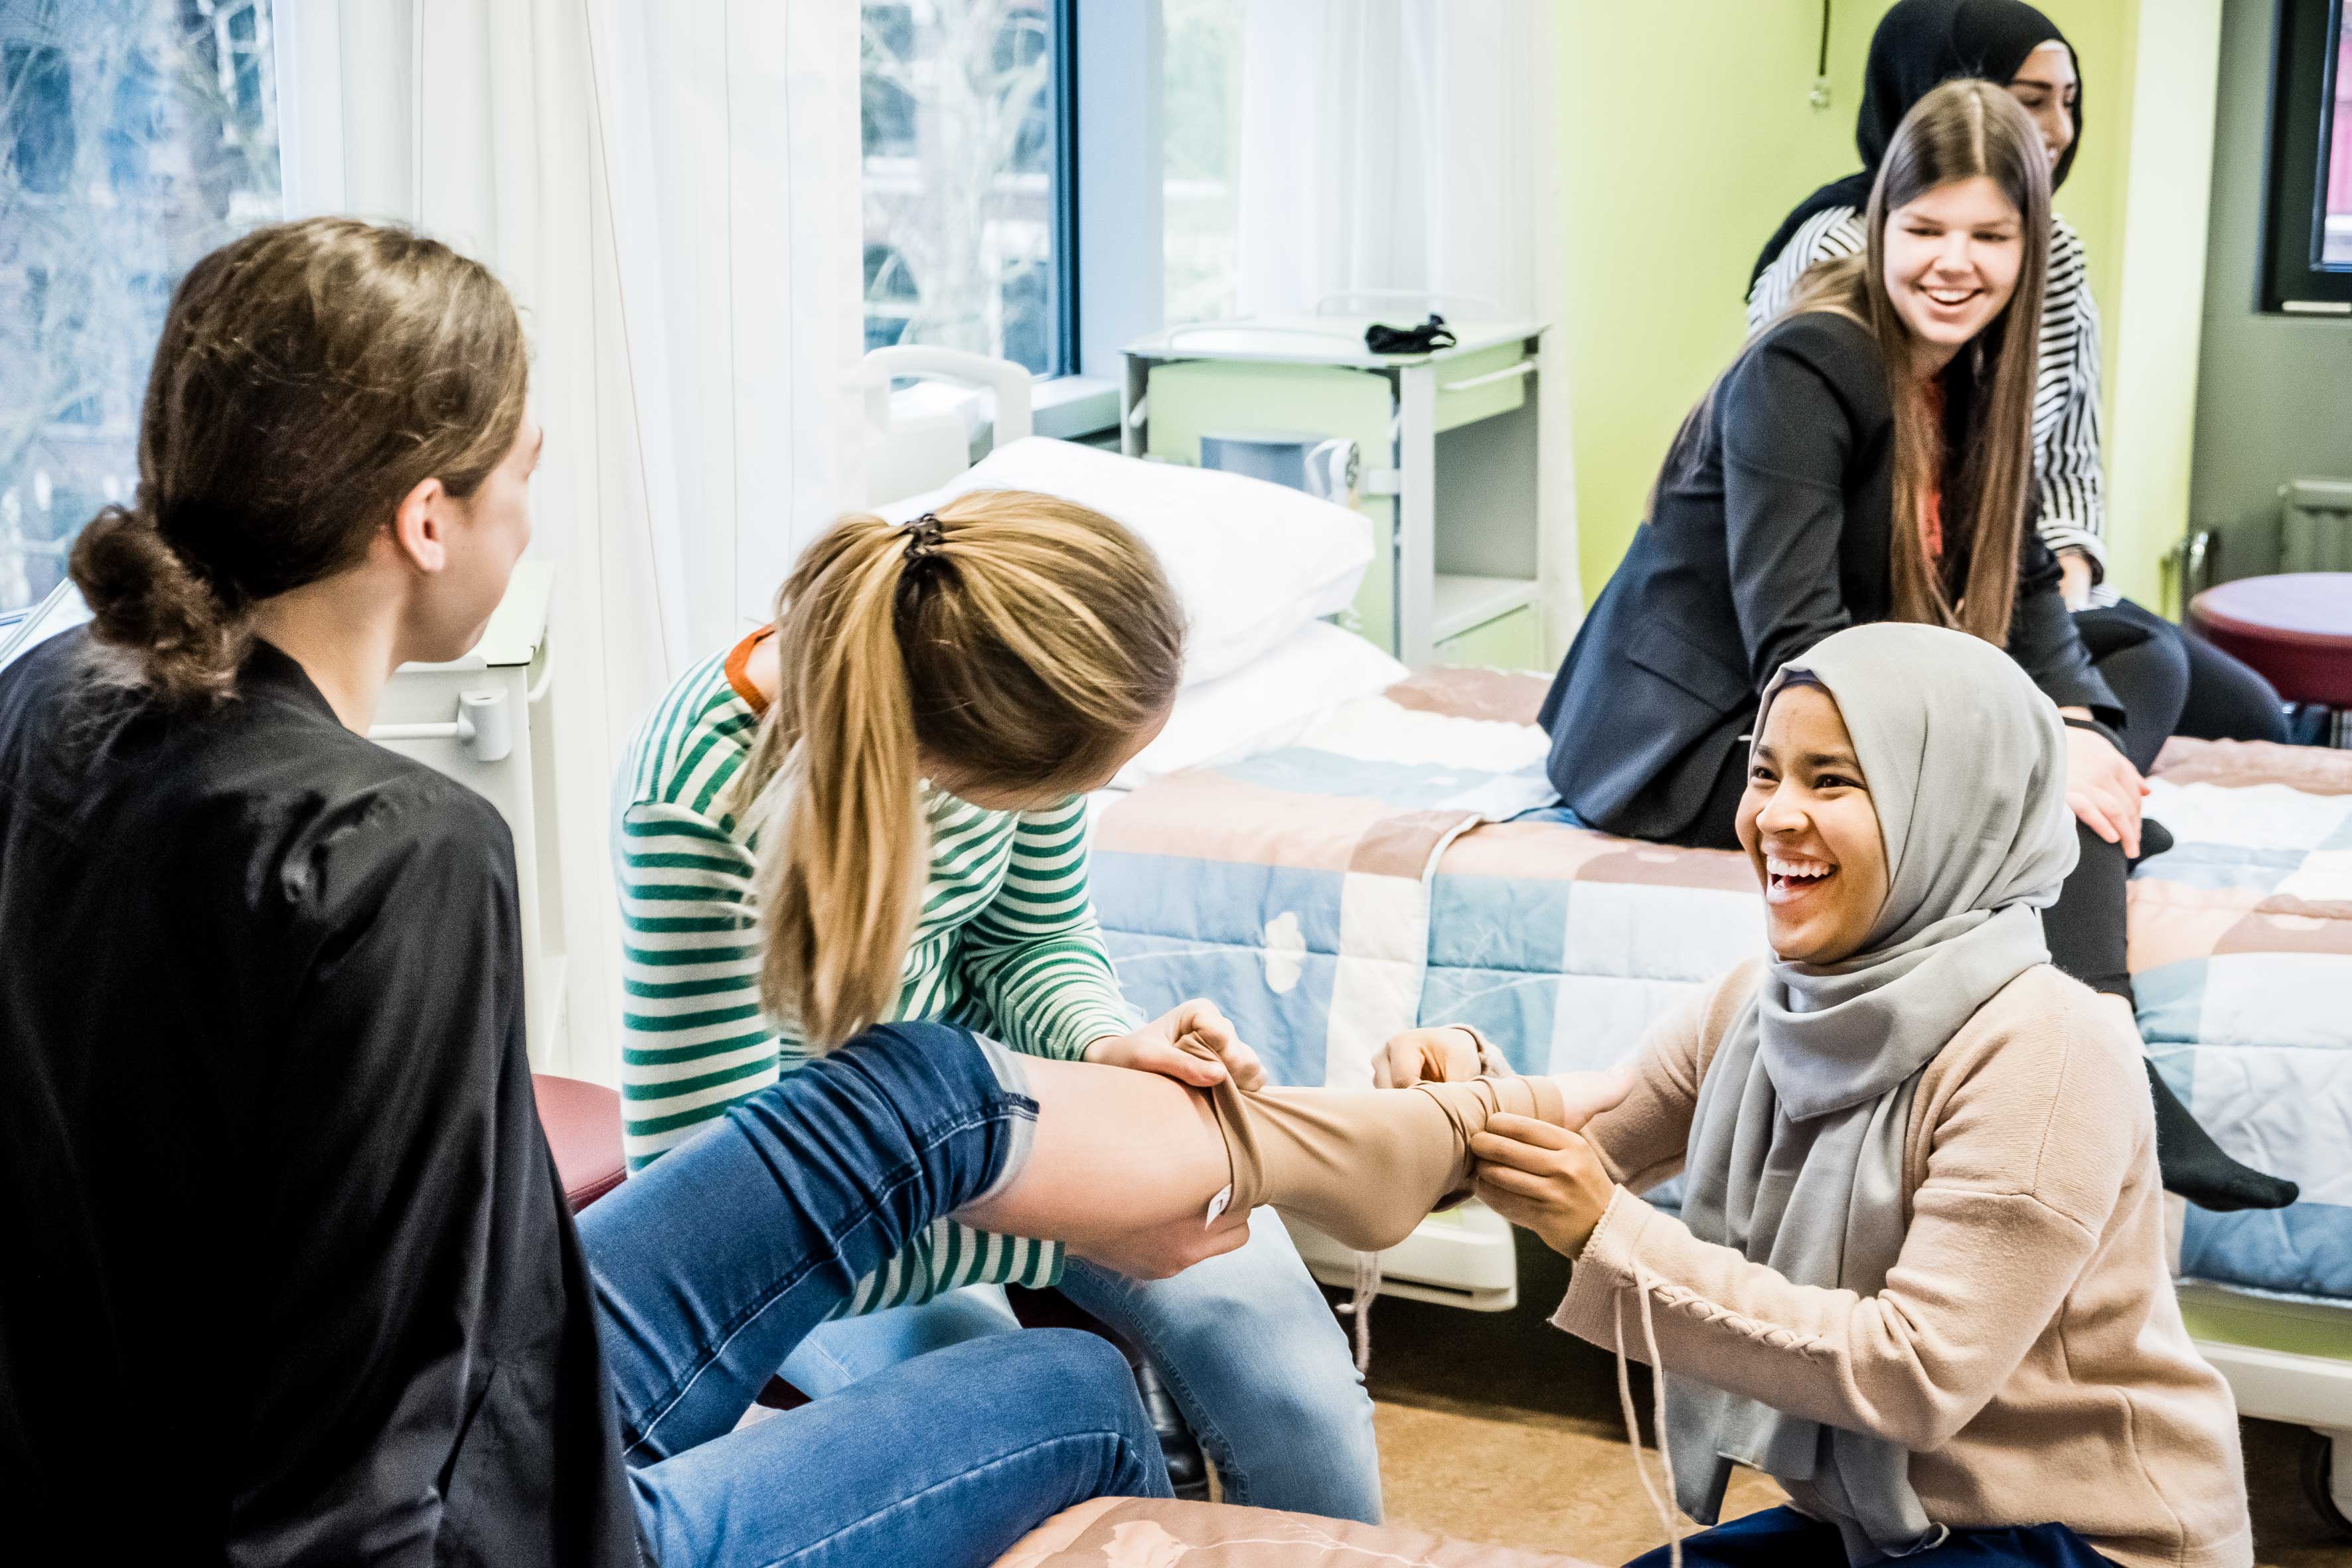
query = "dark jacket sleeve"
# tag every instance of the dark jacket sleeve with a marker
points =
(1788, 435)
(2042, 638)
(383, 1169)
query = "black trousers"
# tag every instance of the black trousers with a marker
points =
(2174, 682)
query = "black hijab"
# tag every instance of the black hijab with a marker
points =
(1919, 44)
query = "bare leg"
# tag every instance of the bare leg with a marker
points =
(1122, 1166)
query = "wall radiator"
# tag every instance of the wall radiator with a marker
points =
(2315, 525)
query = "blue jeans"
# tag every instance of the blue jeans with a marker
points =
(1245, 1342)
(711, 1266)
(1783, 1537)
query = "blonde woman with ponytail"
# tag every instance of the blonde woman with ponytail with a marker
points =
(888, 785)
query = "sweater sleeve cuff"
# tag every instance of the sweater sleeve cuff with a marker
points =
(1604, 1267)
(1081, 1028)
(2065, 533)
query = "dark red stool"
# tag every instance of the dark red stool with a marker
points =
(2296, 629)
(583, 1122)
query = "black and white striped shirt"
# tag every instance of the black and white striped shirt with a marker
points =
(2074, 511)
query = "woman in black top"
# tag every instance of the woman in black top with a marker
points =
(1868, 457)
(2172, 681)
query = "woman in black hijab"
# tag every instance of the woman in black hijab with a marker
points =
(1919, 44)
(2169, 683)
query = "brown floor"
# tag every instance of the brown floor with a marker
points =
(1496, 1427)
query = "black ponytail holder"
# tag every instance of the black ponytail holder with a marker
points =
(220, 549)
(925, 536)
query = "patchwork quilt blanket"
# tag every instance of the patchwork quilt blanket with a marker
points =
(1405, 863)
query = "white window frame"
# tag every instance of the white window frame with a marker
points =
(1121, 268)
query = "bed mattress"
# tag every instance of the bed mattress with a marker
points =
(1404, 863)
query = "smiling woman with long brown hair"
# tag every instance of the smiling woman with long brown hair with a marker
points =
(1868, 457)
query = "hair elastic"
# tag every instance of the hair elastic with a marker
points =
(925, 535)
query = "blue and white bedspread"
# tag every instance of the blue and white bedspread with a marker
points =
(1394, 867)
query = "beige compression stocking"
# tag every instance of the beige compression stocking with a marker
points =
(1365, 1165)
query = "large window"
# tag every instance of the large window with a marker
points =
(2307, 242)
(1200, 154)
(135, 135)
(965, 238)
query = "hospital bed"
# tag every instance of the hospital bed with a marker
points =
(1393, 857)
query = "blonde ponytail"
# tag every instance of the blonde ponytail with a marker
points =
(1010, 643)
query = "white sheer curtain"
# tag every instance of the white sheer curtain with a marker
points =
(671, 191)
(1410, 145)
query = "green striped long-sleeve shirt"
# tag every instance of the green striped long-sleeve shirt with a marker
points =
(1006, 943)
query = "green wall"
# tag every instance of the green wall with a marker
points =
(2151, 312)
(2272, 390)
(1685, 136)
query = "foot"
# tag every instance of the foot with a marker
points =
(2201, 1170)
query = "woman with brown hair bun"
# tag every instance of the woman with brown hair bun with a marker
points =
(1868, 457)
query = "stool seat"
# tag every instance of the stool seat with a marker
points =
(584, 1130)
(2296, 629)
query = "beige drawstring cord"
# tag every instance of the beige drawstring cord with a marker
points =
(1669, 1514)
(1359, 1306)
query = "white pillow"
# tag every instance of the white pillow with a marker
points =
(1268, 705)
(1251, 561)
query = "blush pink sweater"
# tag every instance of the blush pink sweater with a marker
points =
(2027, 1347)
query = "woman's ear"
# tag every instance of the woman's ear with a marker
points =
(420, 526)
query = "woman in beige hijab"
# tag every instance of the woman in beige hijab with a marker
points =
(1920, 1278)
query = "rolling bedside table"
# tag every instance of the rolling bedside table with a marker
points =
(1447, 443)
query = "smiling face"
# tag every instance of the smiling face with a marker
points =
(1953, 254)
(1812, 832)
(2046, 85)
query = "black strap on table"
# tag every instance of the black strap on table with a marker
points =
(1433, 333)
